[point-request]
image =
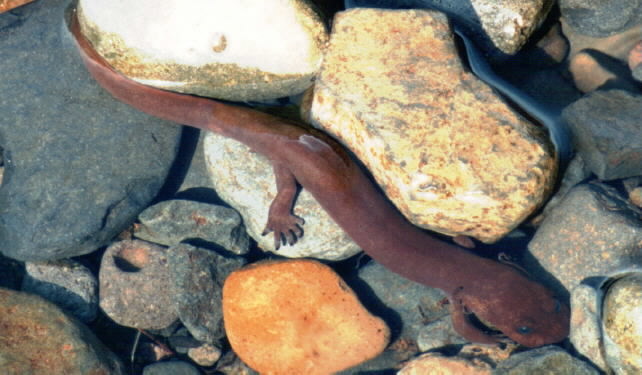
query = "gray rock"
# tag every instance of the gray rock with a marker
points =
(79, 164)
(420, 308)
(592, 232)
(606, 132)
(171, 222)
(40, 339)
(545, 360)
(586, 332)
(171, 368)
(135, 285)
(66, 283)
(601, 18)
(198, 276)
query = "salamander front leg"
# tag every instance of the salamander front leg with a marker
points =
(286, 226)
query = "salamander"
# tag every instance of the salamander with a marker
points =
(495, 293)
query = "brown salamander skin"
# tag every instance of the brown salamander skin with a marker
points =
(496, 293)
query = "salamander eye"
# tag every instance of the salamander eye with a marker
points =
(558, 306)
(524, 330)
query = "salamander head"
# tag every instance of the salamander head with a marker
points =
(525, 311)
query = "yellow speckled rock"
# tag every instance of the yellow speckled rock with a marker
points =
(298, 317)
(622, 324)
(449, 153)
(235, 50)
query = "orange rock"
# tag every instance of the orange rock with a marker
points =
(298, 317)
(6, 5)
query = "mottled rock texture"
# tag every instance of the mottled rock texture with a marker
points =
(449, 153)
(37, 338)
(79, 166)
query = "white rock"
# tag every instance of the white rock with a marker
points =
(245, 180)
(236, 50)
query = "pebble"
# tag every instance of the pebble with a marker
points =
(593, 231)
(601, 18)
(171, 368)
(425, 128)
(635, 196)
(545, 360)
(173, 221)
(67, 283)
(622, 324)
(205, 355)
(605, 126)
(245, 180)
(38, 338)
(592, 70)
(438, 364)
(198, 275)
(635, 61)
(228, 51)
(298, 317)
(135, 285)
(79, 165)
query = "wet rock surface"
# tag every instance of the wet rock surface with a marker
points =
(66, 283)
(198, 276)
(593, 231)
(135, 285)
(577, 245)
(79, 166)
(173, 221)
(38, 338)
(449, 152)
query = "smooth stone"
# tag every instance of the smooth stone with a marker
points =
(617, 45)
(622, 324)
(635, 61)
(298, 317)
(245, 180)
(447, 150)
(502, 26)
(423, 316)
(135, 285)
(229, 50)
(66, 283)
(171, 368)
(38, 338)
(592, 71)
(198, 275)
(601, 18)
(173, 221)
(544, 360)
(592, 232)
(586, 330)
(606, 131)
(205, 355)
(437, 364)
(79, 165)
